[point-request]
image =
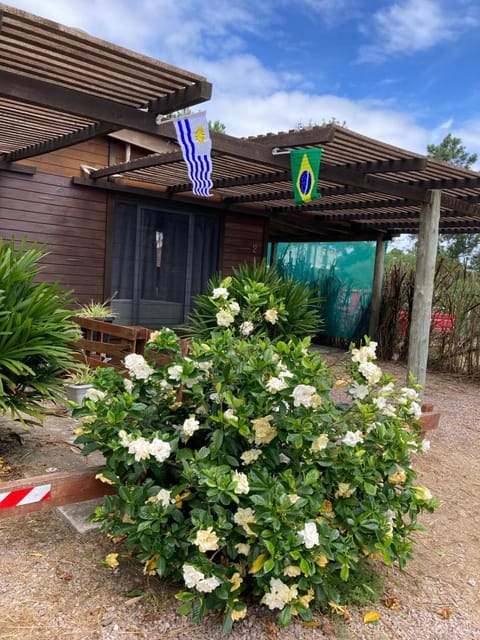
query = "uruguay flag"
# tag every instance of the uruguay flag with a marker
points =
(194, 139)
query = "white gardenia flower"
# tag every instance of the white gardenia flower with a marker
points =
(246, 328)
(94, 394)
(320, 443)
(234, 307)
(380, 403)
(424, 446)
(206, 540)
(224, 318)
(271, 315)
(280, 594)
(164, 496)
(244, 517)
(140, 448)
(189, 426)
(220, 292)
(207, 585)
(371, 372)
(205, 365)
(309, 533)
(365, 353)
(142, 371)
(274, 385)
(124, 438)
(175, 371)
(358, 391)
(138, 367)
(251, 455)
(352, 438)
(229, 414)
(302, 395)
(160, 449)
(133, 360)
(215, 397)
(387, 389)
(407, 393)
(128, 384)
(242, 548)
(191, 576)
(241, 483)
(415, 409)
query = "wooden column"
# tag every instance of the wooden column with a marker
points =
(423, 293)
(377, 287)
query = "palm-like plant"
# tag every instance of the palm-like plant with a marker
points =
(256, 289)
(35, 333)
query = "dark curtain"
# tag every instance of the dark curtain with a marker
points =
(124, 242)
(164, 239)
(205, 252)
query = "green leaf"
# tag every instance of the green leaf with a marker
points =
(285, 616)
(371, 489)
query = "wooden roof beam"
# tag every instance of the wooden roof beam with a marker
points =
(340, 206)
(285, 194)
(67, 140)
(153, 160)
(109, 112)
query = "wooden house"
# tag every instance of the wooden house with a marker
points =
(89, 168)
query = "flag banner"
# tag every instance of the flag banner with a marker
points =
(305, 166)
(194, 139)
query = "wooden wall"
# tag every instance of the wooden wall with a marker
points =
(244, 241)
(69, 220)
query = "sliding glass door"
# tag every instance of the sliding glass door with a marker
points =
(161, 260)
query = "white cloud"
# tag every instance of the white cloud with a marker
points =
(410, 26)
(280, 111)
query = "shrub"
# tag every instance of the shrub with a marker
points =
(256, 300)
(34, 334)
(239, 476)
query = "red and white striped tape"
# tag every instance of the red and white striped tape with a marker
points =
(29, 495)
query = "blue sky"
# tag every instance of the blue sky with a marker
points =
(402, 71)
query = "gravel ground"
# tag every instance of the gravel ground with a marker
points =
(54, 586)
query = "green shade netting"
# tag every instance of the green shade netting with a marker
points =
(342, 275)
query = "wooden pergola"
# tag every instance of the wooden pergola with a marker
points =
(59, 86)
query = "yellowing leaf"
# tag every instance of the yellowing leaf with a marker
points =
(391, 602)
(339, 609)
(258, 563)
(112, 560)
(371, 616)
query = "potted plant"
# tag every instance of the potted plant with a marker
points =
(97, 310)
(78, 384)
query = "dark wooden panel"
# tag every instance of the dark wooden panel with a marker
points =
(69, 220)
(54, 218)
(27, 227)
(243, 241)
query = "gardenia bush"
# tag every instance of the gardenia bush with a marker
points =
(241, 479)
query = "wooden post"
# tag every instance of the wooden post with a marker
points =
(377, 287)
(423, 293)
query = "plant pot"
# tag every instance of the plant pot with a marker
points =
(76, 392)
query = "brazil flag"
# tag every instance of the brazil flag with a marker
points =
(305, 165)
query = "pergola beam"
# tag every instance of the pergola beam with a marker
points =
(61, 142)
(141, 163)
(118, 115)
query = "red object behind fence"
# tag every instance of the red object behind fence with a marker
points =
(442, 322)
